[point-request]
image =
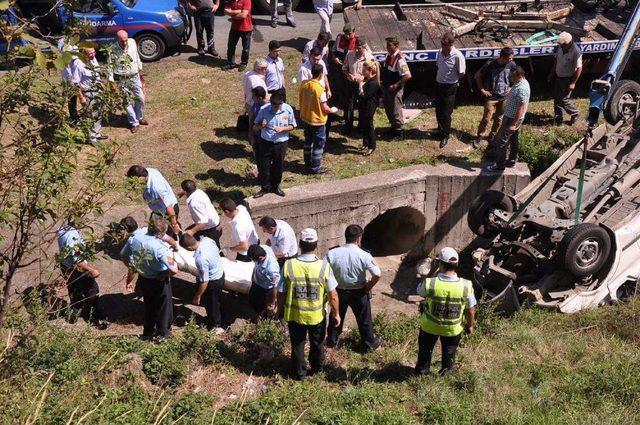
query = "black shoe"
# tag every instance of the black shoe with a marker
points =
(278, 191)
(330, 343)
(573, 119)
(557, 120)
(228, 66)
(377, 342)
(101, 325)
(261, 193)
(444, 141)
(242, 67)
(447, 371)
(102, 137)
(292, 24)
(510, 163)
(213, 52)
(274, 24)
(477, 143)
(421, 372)
(495, 167)
(320, 170)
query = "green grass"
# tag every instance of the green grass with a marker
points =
(539, 367)
(193, 110)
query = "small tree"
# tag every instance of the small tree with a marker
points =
(48, 173)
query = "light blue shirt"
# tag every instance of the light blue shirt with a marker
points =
(208, 262)
(274, 78)
(283, 117)
(471, 300)
(147, 254)
(87, 76)
(266, 273)
(331, 283)
(325, 5)
(519, 93)
(349, 264)
(68, 241)
(158, 193)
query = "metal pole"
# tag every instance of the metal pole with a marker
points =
(581, 181)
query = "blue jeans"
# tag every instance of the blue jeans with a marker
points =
(132, 87)
(315, 137)
(234, 37)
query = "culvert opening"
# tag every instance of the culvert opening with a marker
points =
(394, 232)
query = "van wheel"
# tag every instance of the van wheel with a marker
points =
(584, 249)
(264, 6)
(481, 207)
(151, 47)
(618, 107)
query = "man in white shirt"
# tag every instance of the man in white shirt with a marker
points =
(304, 73)
(251, 80)
(566, 70)
(451, 67)
(86, 76)
(242, 229)
(206, 221)
(281, 238)
(322, 42)
(67, 73)
(127, 70)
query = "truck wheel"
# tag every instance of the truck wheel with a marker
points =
(584, 249)
(478, 216)
(151, 47)
(264, 6)
(586, 5)
(623, 91)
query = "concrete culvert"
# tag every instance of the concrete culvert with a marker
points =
(394, 232)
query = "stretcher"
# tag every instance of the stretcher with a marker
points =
(237, 274)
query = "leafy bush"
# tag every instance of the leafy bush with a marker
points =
(396, 330)
(540, 150)
(163, 364)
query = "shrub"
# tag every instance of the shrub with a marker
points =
(163, 365)
(396, 330)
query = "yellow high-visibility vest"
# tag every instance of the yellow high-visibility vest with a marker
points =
(305, 291)
(445, 304)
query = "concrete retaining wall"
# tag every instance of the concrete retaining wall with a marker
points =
(442, 193)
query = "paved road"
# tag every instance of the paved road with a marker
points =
(291, 38)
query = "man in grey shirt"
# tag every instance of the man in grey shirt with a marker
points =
(350, 264)
(566, 69)
(451, 67)
(203, 16)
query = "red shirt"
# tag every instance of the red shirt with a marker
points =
(244, 24)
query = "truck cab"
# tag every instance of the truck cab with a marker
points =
(157, 26)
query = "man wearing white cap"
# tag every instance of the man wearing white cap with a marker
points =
(566, 70)
(448, 298)
(307, 283)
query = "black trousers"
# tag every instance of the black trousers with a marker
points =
(211, 302)
(234, 37)
(158, 306)
(298, 336)
(243, 257)
(426, 343)
(445, 102)
(360, 303)
(83, 294)
(214, 233)
(270, 159)
(73, 108)
(204, 23)
(282, 90)
(368, 130)
(350, 99)
(260, 298)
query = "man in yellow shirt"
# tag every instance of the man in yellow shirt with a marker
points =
(314, 112)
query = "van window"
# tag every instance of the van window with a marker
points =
(91, 6)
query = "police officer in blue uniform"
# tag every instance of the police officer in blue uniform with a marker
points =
(263, 295)
(350, 264)
(210, 278)
(147, 256)
(80, 277)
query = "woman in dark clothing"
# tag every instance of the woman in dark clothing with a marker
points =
(369, 100)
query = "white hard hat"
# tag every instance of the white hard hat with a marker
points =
(309, 235)
(565, 38)
(448, 255)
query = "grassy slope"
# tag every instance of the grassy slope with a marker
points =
(540, 367)
(193, 109)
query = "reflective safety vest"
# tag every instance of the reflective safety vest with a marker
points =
(444, 306)
(306, 295)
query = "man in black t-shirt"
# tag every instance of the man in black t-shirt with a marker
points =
(493, 83)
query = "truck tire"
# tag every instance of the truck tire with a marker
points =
(622, 91)
(584, 249)
(264, 6)
(151, 47)
(585, 5)
(478, 215)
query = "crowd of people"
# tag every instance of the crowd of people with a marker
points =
(291, 280)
